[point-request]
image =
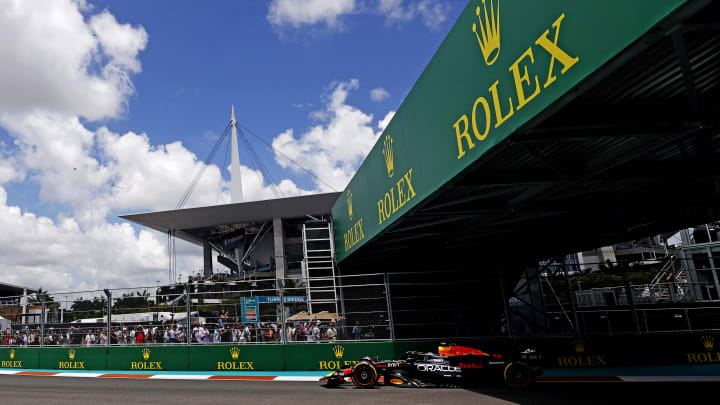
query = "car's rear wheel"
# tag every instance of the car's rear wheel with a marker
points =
(518, 375)
(364, 375)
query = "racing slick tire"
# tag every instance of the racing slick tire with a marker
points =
(518, 375)
(364, 375)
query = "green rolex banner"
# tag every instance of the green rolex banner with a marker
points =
(503, 62)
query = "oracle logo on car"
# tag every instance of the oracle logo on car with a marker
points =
(437, 367)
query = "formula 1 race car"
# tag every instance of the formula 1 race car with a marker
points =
(452, 366)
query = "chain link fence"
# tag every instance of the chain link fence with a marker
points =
(549, 300)
(201, 312)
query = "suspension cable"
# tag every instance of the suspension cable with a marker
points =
(202, 169)
(286, 157)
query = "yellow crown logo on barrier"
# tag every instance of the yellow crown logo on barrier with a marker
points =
(489, 36)
(708, 342)
(387, 152)
(348, 197)
(71, 354)
(338, 350)
(579, 346)
(234, 352)
(146, 353)
(12, 354)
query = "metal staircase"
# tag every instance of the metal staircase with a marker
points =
(670, 291)
(319, 253)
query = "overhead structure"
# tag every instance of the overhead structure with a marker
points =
(544, 129)
(559, 126)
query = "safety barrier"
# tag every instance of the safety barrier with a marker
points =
(569, 353)
(249, 357)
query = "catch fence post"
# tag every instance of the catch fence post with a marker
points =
(280, 286)
(188, 332)
(42, 320)
(108, 339)
(388, 299)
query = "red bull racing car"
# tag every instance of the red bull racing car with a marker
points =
(451, 366)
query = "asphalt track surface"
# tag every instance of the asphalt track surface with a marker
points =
(80, 391)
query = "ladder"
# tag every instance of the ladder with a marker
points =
(319, 265)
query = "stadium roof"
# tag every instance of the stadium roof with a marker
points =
(199, 224)
(9, 290)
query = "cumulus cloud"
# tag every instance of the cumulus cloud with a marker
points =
(333, 149)
(433, 13)
(62, 70)
(57, 62)
(10, 169)
(296, 13)
(379, 94)
(120, 42)
(37, 251)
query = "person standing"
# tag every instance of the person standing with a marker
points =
(331, 332)
(357, 330)
(316, 332)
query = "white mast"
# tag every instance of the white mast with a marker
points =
(236, 192)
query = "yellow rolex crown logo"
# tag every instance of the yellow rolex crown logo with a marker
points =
(708, 342)
(579, 346)
(12, 354)
(71, 354)
(488, 34)
(338, 350)
(146, 353)
(235, 352)
(348, 196)
(387, 152)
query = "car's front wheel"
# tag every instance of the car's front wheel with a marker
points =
(364, 375)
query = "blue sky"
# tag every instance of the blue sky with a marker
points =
(201, 59)
(109, 107)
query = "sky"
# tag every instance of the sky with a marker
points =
(111, 107)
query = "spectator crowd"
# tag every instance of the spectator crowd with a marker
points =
(223, 331)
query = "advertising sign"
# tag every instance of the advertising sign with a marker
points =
(249, 309)
(503, 62)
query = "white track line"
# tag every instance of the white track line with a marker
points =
(77, 374)
(297, 378)
(180, 377)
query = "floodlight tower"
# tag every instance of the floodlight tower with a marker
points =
(236, 192)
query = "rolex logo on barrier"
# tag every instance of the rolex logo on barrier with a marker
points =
(146, 365)
(579, 346)
(709, 356)
(387, 152)
(487, 31)
(581, 358)
(235, 365)
(11, 363)
(72, 365)
(338, 351)
(708, 342)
